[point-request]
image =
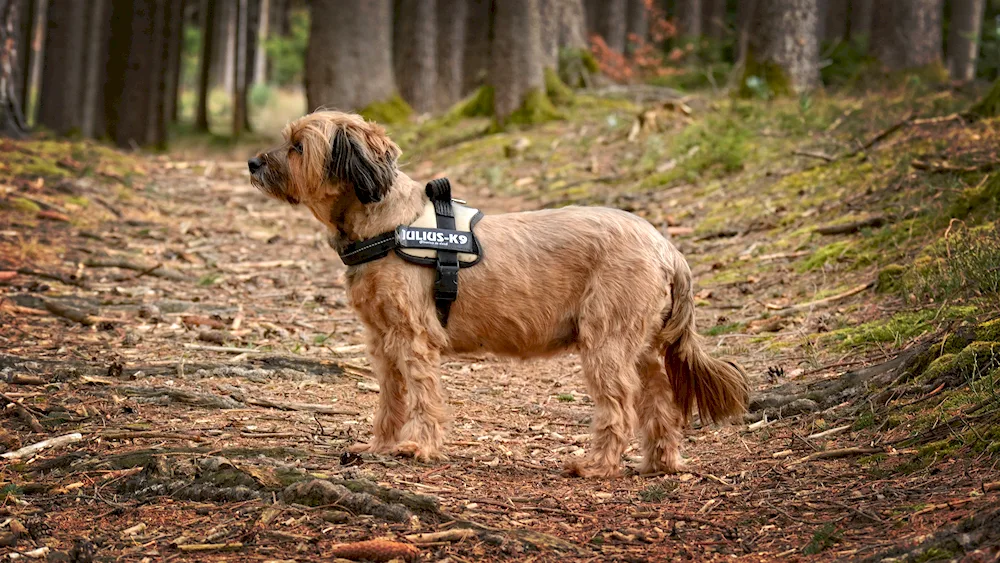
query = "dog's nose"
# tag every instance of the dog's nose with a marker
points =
(255, 164)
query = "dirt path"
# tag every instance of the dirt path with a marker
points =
(252, 274)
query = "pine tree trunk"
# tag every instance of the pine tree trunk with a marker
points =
(280, 22)
(224, 57)
(131, 82)
(637, 24)
(746, 16)
(416, 56)
(789, 50)
(175, 38)
(11, 121)
(516, 73)
(860, 19)
(155, 134)
(209, 13)
(349, 59)
(62, 72)
(834, 20)
(907, 35)
(611, 24)
(260, 57)
(713, 21)
(478, 34)
(26, 22)
(563, 27)
(239, 71)
(689, 18)
(96, 58)
(963, 38)
(451, 21)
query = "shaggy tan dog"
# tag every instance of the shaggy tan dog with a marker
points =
(599, 281)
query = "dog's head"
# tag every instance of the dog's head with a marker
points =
(327, 156)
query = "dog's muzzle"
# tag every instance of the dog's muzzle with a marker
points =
(255, 164)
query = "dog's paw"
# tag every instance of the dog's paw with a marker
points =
(418, 452)
(590, 470)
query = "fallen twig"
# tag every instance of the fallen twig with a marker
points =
(825, 301)
(125, 264)
(453, 535)
(854, 227)
(21, 379)
(56, 442)
(830, 432)
(227, 349)
(293, 406)
(188, 547)
(939, 167)
(67, 312)
(68, 280)
(819, 155)
(881, 136)
(183, 396)
(836, 454)
(132, 435)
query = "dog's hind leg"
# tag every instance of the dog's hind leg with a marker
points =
(660, 419)
(612, 381)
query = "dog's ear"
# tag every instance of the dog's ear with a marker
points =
(364, 158)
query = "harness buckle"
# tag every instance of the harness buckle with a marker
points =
(446, 284)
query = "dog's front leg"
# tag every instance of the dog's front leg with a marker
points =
(423, 434)
(390, 414)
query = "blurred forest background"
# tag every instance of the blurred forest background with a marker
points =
(137, 72)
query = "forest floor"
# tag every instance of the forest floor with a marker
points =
(192, 339)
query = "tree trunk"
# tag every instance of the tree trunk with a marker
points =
(860, 19)
(788, 58)
(239, 71)
(96, 58)
(349, 59)
(478, 35)
(834, 20)
(451, 21)
(563, 27)
(224, 57)
(416, 57)
(208, 23)
(907, 35)
(611, 24)
(157, 71)
(963, 38)
(260, 57)
(637, 24)
(280, 23)
(63, 69)
(25, 34)
(131, 82)
(516, 72)
(11, 120)
(746, 16)
(175, 42)
(713, 21)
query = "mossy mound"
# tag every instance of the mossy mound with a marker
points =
(536, 108)
(391, 111)
(558, 92)
(985, 196)
(476, 104)
(890, 278)
(989, 106)
(763, 79)
(576, 66)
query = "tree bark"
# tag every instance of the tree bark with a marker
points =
(416, 56)
(175, 39)
(834, 20)
(239, 70)
(96, 58)
(263, 30)
(689, 18)
(713, 21)
(516, 56)
(62, 72)
(155, 127)
(788, 42)
(11, 121)
(860, 19)
(746, 15)
(349, 58)
(451, 22)
(907, 34)
(224, 57)
(280, 23)
(563, 27)
(637, 24)
(209, 12)
(611, 24)
(478, 35)
(963, 38)
(130, 81)
(26, 24)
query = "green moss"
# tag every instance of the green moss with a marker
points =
(727, 328)
(763, 79)
(576, 66)
(890, 278)
(393, 110)
(898, 329)
(983, 197)
(558, 92)
(835, 252)
(989, 331)
(477, 104)
(536, 108)
(25, 205)
(989, 105)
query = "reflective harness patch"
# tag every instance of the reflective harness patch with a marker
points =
(441, 237)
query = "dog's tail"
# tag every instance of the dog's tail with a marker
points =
(721, 389)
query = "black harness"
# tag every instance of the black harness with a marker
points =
(447, 242)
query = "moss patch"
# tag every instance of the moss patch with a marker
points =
(393, 110)
(984, 197)
(536, 108)
(764, 79)
(558, 92)
(989, 105)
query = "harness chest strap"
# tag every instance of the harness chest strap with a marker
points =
(441, 237)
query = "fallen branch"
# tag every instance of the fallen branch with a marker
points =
(880, 137)
(825, 301)
(68, 280)
(125, 264)
(453, 535)
(67, 312)
(836, 454)
(830, 432)
(21, 379)
(191, 547)
(227, 349)
(819, 155)
(194, 398)
(854, 227)
(56, 442)
(293, 406)
(939, 167)
(132, 435)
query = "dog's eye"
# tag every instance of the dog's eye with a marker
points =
(297, 147)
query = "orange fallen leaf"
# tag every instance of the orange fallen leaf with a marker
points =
(53, 215)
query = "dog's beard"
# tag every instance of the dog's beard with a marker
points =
(266, 184)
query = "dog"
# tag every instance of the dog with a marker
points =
(602, 282)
